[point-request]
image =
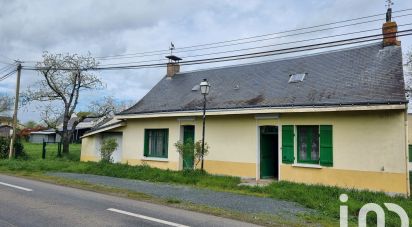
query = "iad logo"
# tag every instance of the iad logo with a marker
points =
(380, 213)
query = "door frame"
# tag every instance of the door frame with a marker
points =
(188, 122)
(258, 150)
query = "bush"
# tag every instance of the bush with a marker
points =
(188, 148)
(5, 147)
(108, 147)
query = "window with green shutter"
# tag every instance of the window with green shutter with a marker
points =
(315, 144)
(410, 152)
(288, 142)
(156, 143)
(308, 144)
(326, 145)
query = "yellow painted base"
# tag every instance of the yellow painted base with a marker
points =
(375, 181)
(87, 158)
(240, 169)
(152, 163)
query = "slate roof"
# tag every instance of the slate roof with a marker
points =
(368, 74)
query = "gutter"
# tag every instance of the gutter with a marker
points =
(263, 110)
(104, 128)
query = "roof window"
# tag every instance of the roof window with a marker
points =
(297, 77)
(196, 87)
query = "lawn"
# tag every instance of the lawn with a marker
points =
(34, 151)
(325, 200)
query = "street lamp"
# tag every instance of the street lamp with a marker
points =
(204, 89)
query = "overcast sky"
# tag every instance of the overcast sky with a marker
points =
(105, 28)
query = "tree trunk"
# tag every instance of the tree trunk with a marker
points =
(65, 135)
(65, 142)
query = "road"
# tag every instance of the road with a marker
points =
(31, 203)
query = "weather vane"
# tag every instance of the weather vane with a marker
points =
(172, 47)
(389, 11)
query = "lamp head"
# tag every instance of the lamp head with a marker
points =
(204, 87)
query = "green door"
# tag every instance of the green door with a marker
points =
(268, 152)
(188, 137)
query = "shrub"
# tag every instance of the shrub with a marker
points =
(188, 148)
(109, 145)
(5, 147)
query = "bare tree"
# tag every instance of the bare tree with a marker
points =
(5, 103)
(63, 78)
(107, 106)
(408, 74)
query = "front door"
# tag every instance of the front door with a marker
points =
(188, 136)
(269, 152)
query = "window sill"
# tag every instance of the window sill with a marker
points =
(155, 159)
(313, 166)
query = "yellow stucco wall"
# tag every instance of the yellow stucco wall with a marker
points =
(89, 148)
(376, 181)
(409, 128)
(366, 144)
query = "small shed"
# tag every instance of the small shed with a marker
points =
(48, 136)
(5, 130)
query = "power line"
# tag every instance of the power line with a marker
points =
(7, 75)
(253, 48)
(268, 53)
(316, 46)
(257, 36)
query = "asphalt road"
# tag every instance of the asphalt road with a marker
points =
(31, 203)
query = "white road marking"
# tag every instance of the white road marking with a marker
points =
(15, 186)
(146, 218)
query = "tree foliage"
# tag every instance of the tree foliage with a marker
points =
(5, 103)
(62, 79)
(408, 74)
(107, 148)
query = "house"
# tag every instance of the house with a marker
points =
(5, 120)
(5, 130)
(333, 118)
(50, 135)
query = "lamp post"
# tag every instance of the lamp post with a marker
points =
(204, 89)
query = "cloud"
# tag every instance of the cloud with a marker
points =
(106, 27)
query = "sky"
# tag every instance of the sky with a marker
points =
(110, 28)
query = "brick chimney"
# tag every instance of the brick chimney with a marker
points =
(173, 65)
(389, 30)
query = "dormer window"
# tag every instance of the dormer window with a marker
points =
(298, 77)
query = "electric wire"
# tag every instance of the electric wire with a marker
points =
(251, 55)
(141, 54)
(253, 48)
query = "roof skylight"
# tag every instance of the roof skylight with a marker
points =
(196, 87)
(297, 77)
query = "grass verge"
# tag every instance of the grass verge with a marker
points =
(324, 200)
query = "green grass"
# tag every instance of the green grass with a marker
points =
(34, 151)
(324, 200)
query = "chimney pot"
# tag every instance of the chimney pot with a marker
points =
(173, 65)
(172, 68)
(389, 30)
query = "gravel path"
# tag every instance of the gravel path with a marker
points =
(225, 200)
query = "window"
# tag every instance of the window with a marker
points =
(314, 144)
(298, 77)
(308, 144)
(156, 141)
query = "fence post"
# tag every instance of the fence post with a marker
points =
(59, 149)
(43, 154)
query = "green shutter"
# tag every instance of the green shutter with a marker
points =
(288, 142)
(146, 142)
(166, 143)
(326, 145)
(410, 152)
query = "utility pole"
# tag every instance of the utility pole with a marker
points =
(16, 108)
